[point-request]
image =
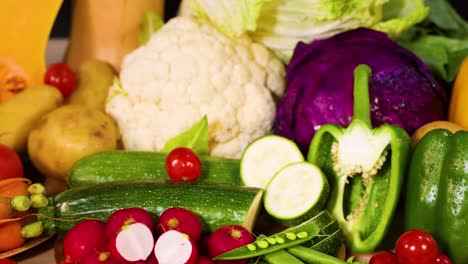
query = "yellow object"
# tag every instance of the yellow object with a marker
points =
(106, 29)
(423, 130)
(94, 79)
(18, 115)
(67, 134)
(25, 29)
(458, 108)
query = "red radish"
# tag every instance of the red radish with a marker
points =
(227, 238)
(100, 256)
(82, 239)
(133, 243)
(151, 259)
(126, 216)
(204, 260)
(174, 247)
(202, 245)
(182, 220)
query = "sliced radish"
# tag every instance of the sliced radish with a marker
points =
(174, 247)
(133, 243)
(126, 216)
(182, 220)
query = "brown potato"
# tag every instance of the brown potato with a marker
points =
(67, 134)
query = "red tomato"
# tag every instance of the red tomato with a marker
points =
(62, 77)
(7, 261)
(384, 257)
(182, 164)
(10, 163)
(416, 247)
(442, 259)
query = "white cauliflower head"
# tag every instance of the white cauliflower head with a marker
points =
(187, 70)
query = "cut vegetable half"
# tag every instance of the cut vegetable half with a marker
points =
(265, 156)
(133, 243)
(174, 247)
(296, 192)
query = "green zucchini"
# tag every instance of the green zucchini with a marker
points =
(263, 157)
(216, 205)
(115, 165)
(296, 192)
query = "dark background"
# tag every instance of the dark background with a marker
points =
(62, 24)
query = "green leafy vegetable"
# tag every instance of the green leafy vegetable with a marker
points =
(281, 24)
(441, 40)
(195, 138)
(151, 23)
(233, 18)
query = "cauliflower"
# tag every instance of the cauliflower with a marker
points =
(188, 70)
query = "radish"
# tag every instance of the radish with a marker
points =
(82, 239)
(100, 256)
(126, 216)
(133, 243)
(182, 220)
(227, 238)
(204, 260)
(174, 247)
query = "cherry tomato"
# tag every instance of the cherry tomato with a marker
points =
(416, 246)
(7, 261)
(384, 257)
(442, 259)
(182, 164)
(10, 163)
(62, 77)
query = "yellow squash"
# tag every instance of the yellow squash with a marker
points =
(106, 29)
(25, 26)
(458, 108)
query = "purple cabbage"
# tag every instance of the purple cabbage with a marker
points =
(402, 90)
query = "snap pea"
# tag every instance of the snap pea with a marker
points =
(280, 256)
(262, 246)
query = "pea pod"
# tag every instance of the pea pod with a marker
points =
(265, 245)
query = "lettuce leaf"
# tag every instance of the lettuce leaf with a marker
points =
(233, 18)
(195, 138)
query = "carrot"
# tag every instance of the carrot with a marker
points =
(10, 235)
(6, 211)
(14, 187)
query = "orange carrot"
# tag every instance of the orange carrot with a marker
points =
(10, 235)
(6, 211)
(14, 187)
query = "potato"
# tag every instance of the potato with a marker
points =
(67, 134)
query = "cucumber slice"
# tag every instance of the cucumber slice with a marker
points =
(296, 192)
(265, 156)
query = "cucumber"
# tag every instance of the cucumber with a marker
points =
(330, 244)
(116, 165)
(216, 205)
(296, 192)
(263, 157)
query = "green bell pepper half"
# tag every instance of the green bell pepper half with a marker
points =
(365, 167)
(437, 191)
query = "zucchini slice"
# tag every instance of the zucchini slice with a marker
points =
(265, 156)
(296, 192)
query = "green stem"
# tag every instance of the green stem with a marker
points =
(362, 74)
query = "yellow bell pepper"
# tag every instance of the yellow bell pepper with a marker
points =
(458, 108)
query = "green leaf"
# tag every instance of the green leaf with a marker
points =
(151, 23)
(195, 138)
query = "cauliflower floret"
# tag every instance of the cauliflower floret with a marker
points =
(187, 70)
